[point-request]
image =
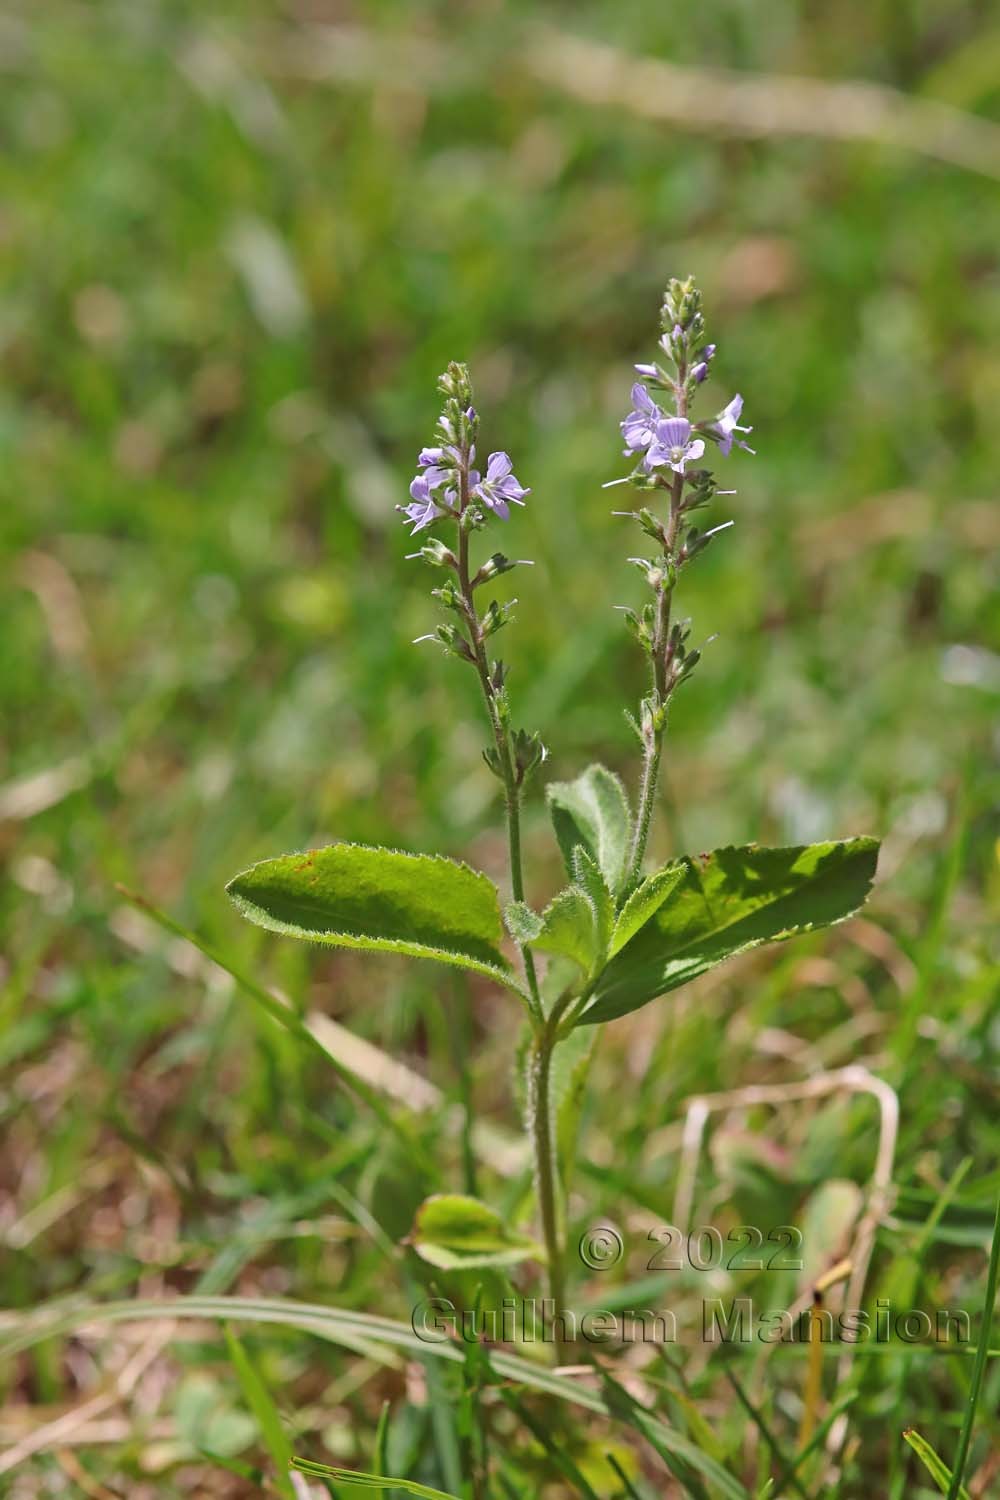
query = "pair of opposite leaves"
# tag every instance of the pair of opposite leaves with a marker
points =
(685, 918)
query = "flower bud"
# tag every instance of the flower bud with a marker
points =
(436, 553)
(492, 568)
(529, 752)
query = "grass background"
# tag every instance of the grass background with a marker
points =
(238, 243)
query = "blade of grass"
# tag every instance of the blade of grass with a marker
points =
(561, 1460)
(763, 1427)
(786, 1475)
(934, 1464)
(264, 1412)
(627, 1485)
(370, 1481)
(979, 1368)
(364, 1332)
(288, 1020)
(443, 1424)
(380, 1457)
(668, 1442)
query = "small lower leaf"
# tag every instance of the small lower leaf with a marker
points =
(570, 1066)
(453, 1231)
(523, 924)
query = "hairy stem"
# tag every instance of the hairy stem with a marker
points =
(501, 739)
(544, 1029)
(547, 1178)
(654, 732)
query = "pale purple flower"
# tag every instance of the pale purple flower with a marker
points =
(648, 370)
(727, 425)
(499, 486)
(423, 508)
(437, 464)
(672, 445)
(700, 370)
(639, 427)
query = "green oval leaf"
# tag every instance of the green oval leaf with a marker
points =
(452, 1231)
(592, 811)
(354, 896)
(695, 913)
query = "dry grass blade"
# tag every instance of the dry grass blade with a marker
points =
(725, 102)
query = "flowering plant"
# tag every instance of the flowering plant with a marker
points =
(615, 937)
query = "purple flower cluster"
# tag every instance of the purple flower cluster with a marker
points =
(436, 473)
(662, 440)
(671, 441)
(434, 490)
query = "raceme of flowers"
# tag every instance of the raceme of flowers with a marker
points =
(660, 440)
(435, 489)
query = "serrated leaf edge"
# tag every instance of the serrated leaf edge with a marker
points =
(502, 972)
(587, 1015)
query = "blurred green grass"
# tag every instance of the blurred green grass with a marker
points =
(237, 245)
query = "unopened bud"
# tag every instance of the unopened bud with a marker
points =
(492, 568)
(436, 553)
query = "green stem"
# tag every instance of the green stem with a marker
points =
(644, 816)
(501, 738)
(544, 1029)
(979, 1369)
(547, 1176)
(654, 733)
(653, 748)
(512, 801)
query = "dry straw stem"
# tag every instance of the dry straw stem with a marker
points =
(497, 1148)
(855, 1079)
(701, 101)
(758, 105)
(58, 1432)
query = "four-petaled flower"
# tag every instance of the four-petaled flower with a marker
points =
(726, 425)
(423, 509)
(639, 427)
(499, 486)
(673, 445)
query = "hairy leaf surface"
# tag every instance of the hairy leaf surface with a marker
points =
(354, 896)
(697, 912)
(592, 811)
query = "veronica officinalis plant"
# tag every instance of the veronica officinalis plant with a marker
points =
(615, 937)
